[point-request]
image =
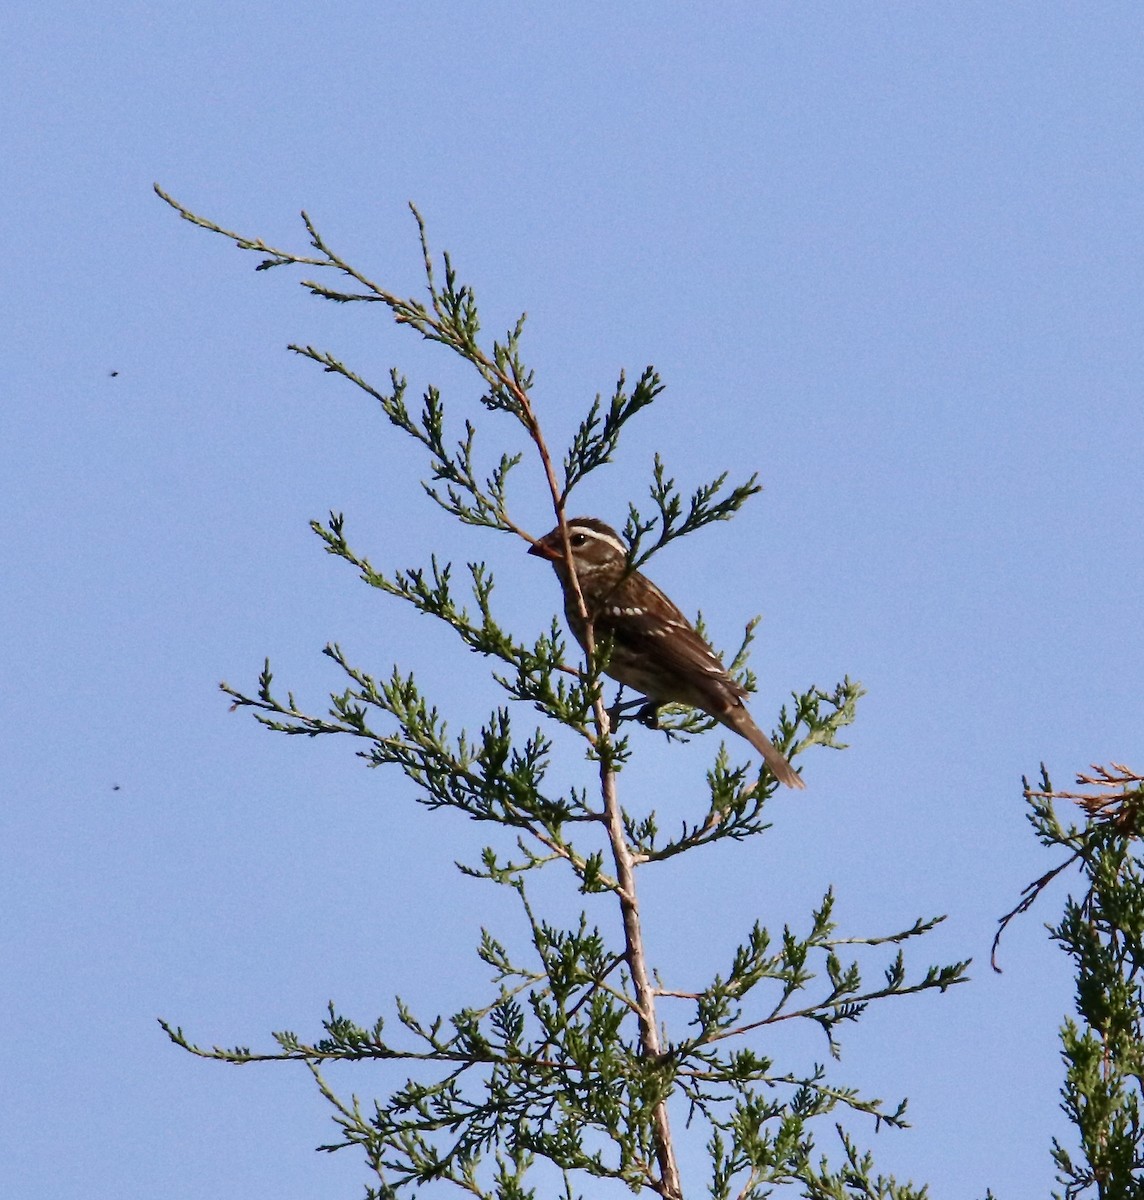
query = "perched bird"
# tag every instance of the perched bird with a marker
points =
(655, 649)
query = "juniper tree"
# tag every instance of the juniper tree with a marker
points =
(569, 1057)
(1102, 932)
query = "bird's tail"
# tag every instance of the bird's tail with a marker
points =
(740, 721)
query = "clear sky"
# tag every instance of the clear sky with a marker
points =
(888, 256)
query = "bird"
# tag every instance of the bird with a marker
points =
(655, 650)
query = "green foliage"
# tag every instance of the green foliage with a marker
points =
(1102, 932)
(569, 1059)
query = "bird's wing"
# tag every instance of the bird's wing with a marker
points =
(666, 638)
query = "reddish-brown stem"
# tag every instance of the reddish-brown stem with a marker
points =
(668, 1183)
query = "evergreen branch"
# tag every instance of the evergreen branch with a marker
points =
(274, 257)
(535, 666)
(450, 319)
(1102, 931)
(569, 1061)
(595, 441)
(719, 1007)
(737, 804)
(1114, 802)
(669, 522)
(490, 779)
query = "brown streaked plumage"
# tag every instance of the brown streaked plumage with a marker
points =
(655, 649)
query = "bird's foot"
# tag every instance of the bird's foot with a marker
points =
(648, 715)
(645, 714)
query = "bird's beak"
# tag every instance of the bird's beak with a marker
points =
(543, 551)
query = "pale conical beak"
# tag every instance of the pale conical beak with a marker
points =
(543, 551)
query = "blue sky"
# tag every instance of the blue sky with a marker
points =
(888, 256)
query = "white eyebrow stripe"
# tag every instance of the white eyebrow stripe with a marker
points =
(600, 537)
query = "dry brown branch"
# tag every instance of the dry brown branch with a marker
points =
(1118, 800)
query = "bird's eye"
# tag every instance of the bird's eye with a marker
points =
(579, 539)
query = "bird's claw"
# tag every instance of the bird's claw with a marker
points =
(647, 714)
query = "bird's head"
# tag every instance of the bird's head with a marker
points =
(597, 550)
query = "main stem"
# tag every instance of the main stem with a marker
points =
(668, 1185)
